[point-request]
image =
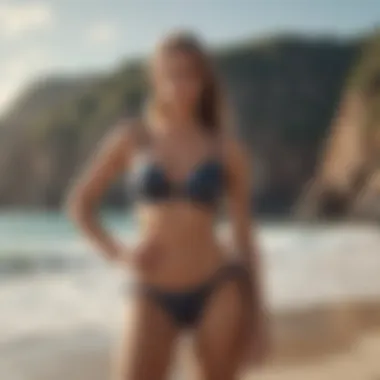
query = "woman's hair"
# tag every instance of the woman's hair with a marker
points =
(211, 108)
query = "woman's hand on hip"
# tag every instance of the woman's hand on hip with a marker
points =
(145, 256)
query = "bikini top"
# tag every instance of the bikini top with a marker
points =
(203, 186)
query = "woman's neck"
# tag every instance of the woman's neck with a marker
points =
(177, 124)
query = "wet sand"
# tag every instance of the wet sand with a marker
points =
(338, 342)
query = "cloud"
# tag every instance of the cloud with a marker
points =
(7, 93)
(28, 61)
(18, 19)
(101, 33)
(21, 68)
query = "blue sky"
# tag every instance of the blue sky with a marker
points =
(46, 36)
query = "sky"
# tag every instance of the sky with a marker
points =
(43, 37)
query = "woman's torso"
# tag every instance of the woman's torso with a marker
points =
(177, 196)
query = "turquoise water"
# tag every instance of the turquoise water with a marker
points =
(23, 230)
(52, 231)
(37, 233)
(49, 242)
(33, 225)
(27, 231)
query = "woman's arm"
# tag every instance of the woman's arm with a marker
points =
(107, 163)
(239, 208)
(244, 235)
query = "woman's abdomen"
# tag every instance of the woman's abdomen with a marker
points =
(182, 247)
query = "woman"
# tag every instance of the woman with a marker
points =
(187, 163)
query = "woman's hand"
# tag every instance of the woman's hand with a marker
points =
(145, 256)
(122, 257)
(108, 162)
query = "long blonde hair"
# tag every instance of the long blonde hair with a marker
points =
(211, 108)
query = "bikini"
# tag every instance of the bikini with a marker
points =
(203, 188)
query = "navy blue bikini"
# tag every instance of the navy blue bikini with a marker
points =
(203, 187)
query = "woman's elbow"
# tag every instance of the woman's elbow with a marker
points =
(76, 206)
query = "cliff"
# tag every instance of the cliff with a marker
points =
(285, 92)
(347, 176)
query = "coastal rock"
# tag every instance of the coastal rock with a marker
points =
(346, 180)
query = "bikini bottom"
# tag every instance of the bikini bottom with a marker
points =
(186, 308)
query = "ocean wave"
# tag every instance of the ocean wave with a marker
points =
(18, 263)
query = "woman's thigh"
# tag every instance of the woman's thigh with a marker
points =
(148, 343)
(219, 338)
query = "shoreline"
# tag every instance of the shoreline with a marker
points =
(306, 341)
(339, 322)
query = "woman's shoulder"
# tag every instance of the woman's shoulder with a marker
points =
(122, 136)
(233, 147)
(129, 130)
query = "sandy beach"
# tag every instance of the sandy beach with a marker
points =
(337, 341)
(351, 354)
(62, 315)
